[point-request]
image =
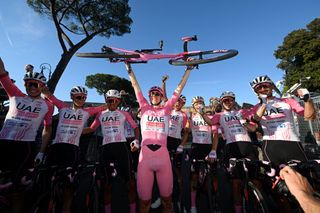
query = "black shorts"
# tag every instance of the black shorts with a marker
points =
(172, 144)
(199, 152)
(16, 156)
(240, 150)
(118, 154)
(63, 155)
(280, 152)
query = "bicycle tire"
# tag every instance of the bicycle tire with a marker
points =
(257, 200)
(211, 56)
(41, 203)
(108, 55)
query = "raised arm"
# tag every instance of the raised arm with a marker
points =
(164, 87)
(183, 80)
(133, 79)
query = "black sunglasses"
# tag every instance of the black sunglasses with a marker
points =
(111, 101)
(154, 94)
(32, 84)
(80, 97)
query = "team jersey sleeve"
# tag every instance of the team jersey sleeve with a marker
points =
(296, 107)
(96, 123)
(58, 103)
(169, 104)
(216, 119)
(94, 110)
(48, 117)
(143, 103)
(10, 88)
(129, 118)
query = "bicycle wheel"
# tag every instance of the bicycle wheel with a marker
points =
(108, 55)
(204, 57)
(41, 204)
(257, 200)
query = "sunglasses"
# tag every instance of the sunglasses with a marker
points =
(227, 100)
(81, 97)
(111, 101)
(32, 84)
(155, 94)
(262, 86)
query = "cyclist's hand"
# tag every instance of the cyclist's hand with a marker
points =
(190, 67)
(39, 158)
(135, 145)
(128, 67)
(262, 98)
(303, 94)
(212, 156)
(242, 120)
(45, 91)
(165, 78)
(179, 149)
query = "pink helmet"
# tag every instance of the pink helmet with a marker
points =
(157, 89)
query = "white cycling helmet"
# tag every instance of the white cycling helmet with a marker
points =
(112, 93)
(260, 80)
(183, 98)
(227, 94)
(78, 90)
(36, 76)
(197, 99)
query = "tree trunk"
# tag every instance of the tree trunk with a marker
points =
(57, 73)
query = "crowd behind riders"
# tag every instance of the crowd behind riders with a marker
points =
(161, 129)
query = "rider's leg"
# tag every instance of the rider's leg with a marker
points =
(194, 181)
(236, 187)
(167, 204)
(107, 197)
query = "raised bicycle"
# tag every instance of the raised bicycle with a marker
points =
(116, 55)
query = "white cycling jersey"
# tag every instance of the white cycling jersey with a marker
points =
(112, 125)
(177, 122)
(25, 114)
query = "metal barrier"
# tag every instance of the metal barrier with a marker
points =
(310, 130)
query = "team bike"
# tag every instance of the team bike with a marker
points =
(115, 54)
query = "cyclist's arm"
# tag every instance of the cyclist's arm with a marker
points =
(7, 84)
(206, 118)
(185, 136)
(46, 134)
(309, 110)
(164, 88)
(215, 141)
(260, 112)
(95, 124)
(133, 79)
(183, 80)
(52, 99)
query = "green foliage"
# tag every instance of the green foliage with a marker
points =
(86, 18)
(300, 56)
(104, 82)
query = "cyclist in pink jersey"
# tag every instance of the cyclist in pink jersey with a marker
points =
(280, 140)
(26, 113)
(154, 156)
(114, 148)
(203, 146)
(64, 150)
(235, 127)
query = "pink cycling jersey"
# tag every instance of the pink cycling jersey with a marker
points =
(71, 121)
(112, 125)
(177, 122)
(154, 129)
(278, 122)
(229, 122)
(201, 131)
(25, 114)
